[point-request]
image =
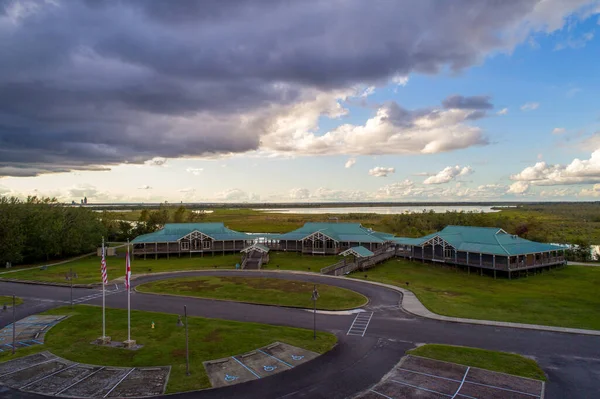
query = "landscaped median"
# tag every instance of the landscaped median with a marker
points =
(258, 290)
(164, 344)
(502, 362)
(563, 297)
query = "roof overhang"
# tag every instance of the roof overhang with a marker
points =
(197, 232)
(366, 253)
(321, 233)
(256, 247)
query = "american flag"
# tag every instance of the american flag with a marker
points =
(103, 268)
(127, 269)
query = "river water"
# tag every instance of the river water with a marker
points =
(384, 210)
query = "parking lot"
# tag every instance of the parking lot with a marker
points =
(51, 375)
(417, 377)
(259, 363)
(28, 331)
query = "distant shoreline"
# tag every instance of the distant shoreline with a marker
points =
(274, 205)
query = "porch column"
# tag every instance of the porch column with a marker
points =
(168, 245)
(467, 257)
(494, 263)
(144, 251)
(155, 251)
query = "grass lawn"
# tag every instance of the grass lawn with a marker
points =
(165, 344)
(503, 362)
(7, 300)
(270, 291)
(297, 261)
(563, 297)
(88, 269)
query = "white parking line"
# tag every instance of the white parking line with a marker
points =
(360, 324)
(77, 382)
(421, 388)
(379, 393)
(461, 384)
(503, 389)
(120, 381)
(48, 376)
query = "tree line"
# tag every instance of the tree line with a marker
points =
(40, 229)
(148, 222)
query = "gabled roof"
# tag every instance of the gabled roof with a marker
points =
(359, 252)
(256, 247)
(488, 240)
(344, 232)
(175, 231)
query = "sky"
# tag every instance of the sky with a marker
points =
(314, 100)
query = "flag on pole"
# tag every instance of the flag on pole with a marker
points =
(103, 267)
(127, 269)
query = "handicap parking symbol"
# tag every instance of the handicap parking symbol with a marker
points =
(294, 357)
(269, 368)
(230, 378)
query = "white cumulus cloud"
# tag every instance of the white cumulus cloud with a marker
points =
(299, 193)
(380, 171)
(577, 172)
(518, 187)
(503, 111)
(558, 130)
(448, 173)
(350, 162)
(156, 161)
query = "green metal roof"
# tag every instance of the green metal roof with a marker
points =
(488, 240)
(343, 232)
(359, 251)
(174, 231)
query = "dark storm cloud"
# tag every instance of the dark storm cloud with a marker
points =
(99, 83)
(473, 102)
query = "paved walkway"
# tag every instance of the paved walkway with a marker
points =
(583, 264)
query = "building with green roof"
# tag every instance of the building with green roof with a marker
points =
(331, 238)
(189, 238)
(482, 247)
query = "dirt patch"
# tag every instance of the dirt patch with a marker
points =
(271, 284)
(178, 353)
(213, 336)
(189, 285)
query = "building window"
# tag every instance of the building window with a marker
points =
(205, 244)
(185, 245)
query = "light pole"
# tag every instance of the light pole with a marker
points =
(14, 324)
(187, 348)
(71, 280)
(315, 296)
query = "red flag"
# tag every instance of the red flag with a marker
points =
(103, 267)
(127, 270)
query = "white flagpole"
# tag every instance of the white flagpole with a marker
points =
(128, 291)
(103, 296)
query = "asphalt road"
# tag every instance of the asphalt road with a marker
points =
(572, 362)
